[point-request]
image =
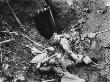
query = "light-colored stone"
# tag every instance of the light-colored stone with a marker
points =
(71, 80)
(1, 79)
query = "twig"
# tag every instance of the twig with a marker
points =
(5, 41)
(48, 80)
(40, 45)
(10, 32)
(25, 37)
(1, 54)
(52, 15)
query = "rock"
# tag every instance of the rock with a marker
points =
(64, 79)
(70, 2)
(103, 72)
(2, 79)
(71, 78)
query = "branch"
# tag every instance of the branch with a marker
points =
(48, 80)
(25, 36)
(18, 21)
(6, 41)
(36, 43)
(1, 54)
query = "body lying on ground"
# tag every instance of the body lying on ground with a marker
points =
(65, 44)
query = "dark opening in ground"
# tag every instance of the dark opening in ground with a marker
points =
(44, 24)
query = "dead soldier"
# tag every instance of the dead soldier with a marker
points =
(38, 58)
(49, 61)
(53, 63)
(63, 41)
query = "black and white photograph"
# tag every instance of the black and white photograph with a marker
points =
(54, 40)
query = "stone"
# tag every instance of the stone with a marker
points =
(71, 78)
(64, 79)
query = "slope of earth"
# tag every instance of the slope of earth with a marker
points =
(97, 18)
(16, 55)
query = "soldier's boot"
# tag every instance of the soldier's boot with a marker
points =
(58, 71)
(45, 68)
(85, 59)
